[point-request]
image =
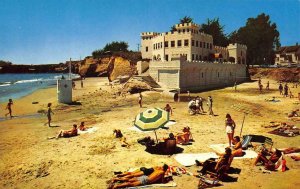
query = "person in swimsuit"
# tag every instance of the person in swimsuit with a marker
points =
(69, 133)
(168, 108)
(237, 150)
(229, 126)
(49, 112)
(157, 176)
(8, 107)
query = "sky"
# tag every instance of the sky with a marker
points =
(53, 31)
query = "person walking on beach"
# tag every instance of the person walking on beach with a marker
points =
(268, 86)
(49, 112)
(260, 88)
(8, 107)
(280, 89)
(229, 127)
(210, 105)
(140, 99)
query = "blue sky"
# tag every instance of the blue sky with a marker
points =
(52, 31)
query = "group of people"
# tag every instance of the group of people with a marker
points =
(196, 105)
(72, 132)
(285, 90)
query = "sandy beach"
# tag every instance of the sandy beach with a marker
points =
(29, 160)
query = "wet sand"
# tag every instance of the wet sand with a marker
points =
(28, 159)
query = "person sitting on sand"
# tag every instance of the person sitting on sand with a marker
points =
(294, 113)
(268, 163)
(168, 108)
(184, 138)
(296, 157)
(82, 127)
(220, 166)
(124, 142)
(118, 133)
(157, 176)
(69, 133)
(237, 150)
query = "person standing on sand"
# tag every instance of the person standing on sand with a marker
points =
(260, 88)
(49, 112)
(168, 108)
(280, 89)
(201, 105)
(8, 107)
(286, 90)
(140, 99)
(229, 126)
(210, 105)
(268, 86)
(81, 81)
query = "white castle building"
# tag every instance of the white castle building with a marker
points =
(187, 59)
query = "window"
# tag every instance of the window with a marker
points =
(187, 30)
(167, 57)
(210, 46)
(186, 42)
(153, 46)
(196, 57)
(161, 45)
(200, 58)
(147, 49)
(179, 43)
(218, 74)
(193, 57)
(178, 31)
(200, 44)
(193, 42)
(197, 45)
(172, 43)
(166, 43)
(183, 30)
(202, 74)
(207, 45)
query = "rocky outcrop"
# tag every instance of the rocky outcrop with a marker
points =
(112, 66)
(278, 74)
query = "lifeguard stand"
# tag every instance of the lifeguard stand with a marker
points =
(64, 88)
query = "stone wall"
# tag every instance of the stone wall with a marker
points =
(196, 76)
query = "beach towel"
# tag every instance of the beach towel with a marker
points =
(189, 159)
(175, 170)
(220, 148)
(281, 163)
(88, 130)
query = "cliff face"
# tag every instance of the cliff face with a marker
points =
(278, 74)
(112, 66)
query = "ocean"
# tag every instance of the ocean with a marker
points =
(15, 86)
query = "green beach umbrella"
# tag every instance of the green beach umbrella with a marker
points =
(151, 119)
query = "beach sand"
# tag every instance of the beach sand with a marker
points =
(29, 160)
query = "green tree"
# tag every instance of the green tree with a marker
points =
(214, 28)
(186, 19)
(114, 46)
(261, 37)
(173, 28)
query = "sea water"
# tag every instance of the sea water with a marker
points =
(15, 86)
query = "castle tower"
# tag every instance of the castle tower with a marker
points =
(238, 52)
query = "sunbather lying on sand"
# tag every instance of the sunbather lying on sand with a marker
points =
(268, 163)
(296, 158)
(139, 179)
(69, 133)
(293, 113)
(220, 166)
(290, 150)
